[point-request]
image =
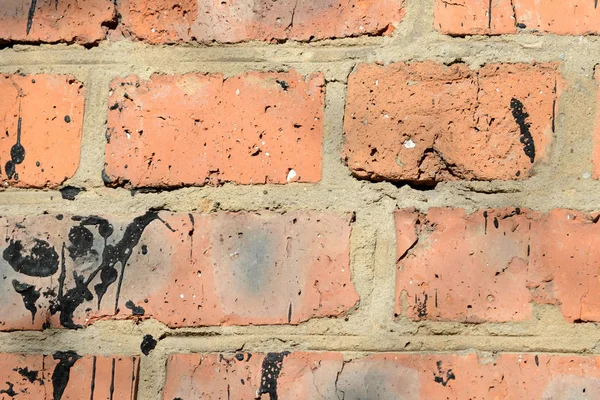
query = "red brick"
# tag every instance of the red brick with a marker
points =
(183, 270)
(174, 21)
(67, 375)
(382, 376)
(51, 21)
(196, 129)
(483, 17)
(494, 264)
(426, 122)
(42, 105)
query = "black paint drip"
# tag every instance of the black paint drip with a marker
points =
(520, 116)
(442, 376)
(148, 344)
(29, 294)
(271, 368)
(30, 15)
(41, 262)
(62, 372)
(112, 255)
(17, 153)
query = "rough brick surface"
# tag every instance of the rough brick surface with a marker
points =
(493, 264)
(181, 269)
(426, 122)
(41, 120)
(483, 17)
(382, 376)
(172, 21)
(197, 129)
(51, 21)
(67, 375)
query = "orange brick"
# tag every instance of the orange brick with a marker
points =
(382, 376)
(173, 21)
(425, 122)
(196, 129)
(52, 21)
(483, 17)
(67, 375)
(493, 264)
(42, 122)
(182, 270)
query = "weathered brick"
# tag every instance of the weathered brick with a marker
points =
(426, 122)
(381, 376)
(493, 264)
(483, 17)
(173, 21)
(67, 375)
(51, 21)
(196, 129)
(41, 119)
(181, 269)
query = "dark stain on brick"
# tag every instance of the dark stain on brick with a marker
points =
(30, 15)
(62, 372)
(421, 305)
(29, 294)
(520, 116)
(41, 262)
(271, 368)
(135, 310)
(443, 376)
(30, 375)
(10, 391)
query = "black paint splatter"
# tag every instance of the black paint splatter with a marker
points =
(148, 344)
(82, 240)
(537, 360)
(421, 306)
(31, 376)
(271, 368)
(30, 15)
(10, 391)
(496, 225)
(70, 192)
(112, 255)
(41, 262)
(29, 294)
(284, 85)
(442, 376)
(17, 153)
(135, 310)
(520, 116)
(62, 372)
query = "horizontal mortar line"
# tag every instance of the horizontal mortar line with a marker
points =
(147, 56)
(311, 343)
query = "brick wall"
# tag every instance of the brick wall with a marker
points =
(372, 199)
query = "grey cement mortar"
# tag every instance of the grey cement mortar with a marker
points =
(371, 327)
